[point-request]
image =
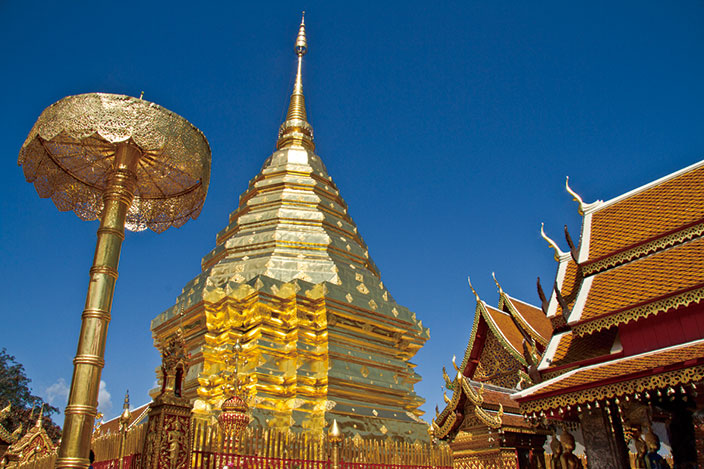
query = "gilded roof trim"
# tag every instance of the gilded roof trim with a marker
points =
(472, 337)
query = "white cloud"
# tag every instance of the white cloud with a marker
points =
(57, 393)
(104, 400)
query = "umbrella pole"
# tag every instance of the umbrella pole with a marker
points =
(87, 366)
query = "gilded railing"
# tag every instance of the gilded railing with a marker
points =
(107, 448)
(262, 448)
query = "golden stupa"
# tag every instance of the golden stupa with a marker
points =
(292, 280)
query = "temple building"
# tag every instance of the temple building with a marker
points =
(483, 425)
(34, 444)
(627, 310)
(291, 279)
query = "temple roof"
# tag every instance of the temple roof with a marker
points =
(634, 374)
(570, 348)
(650, 211)
(137, 416)
(502, 324)
(512, 324)
(637, 249)
(646, 286)
(638, 266)
(530, 318)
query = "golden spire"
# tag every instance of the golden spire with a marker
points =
(296, 131)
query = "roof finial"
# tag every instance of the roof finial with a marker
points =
(41, 416)
(296, 131)
(476, 295)
(582, 206)
(558, 252)
(501, 290)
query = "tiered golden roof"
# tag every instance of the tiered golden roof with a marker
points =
(292, 279)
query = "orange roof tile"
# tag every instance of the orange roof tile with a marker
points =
(573, 348)
(496, 398)
(663, 274)
(646, 214)
(532, 319)
(509, 333)
(614, 373)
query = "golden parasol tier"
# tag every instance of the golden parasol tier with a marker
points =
(134, 164)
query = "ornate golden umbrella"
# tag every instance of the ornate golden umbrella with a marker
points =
(132, 164)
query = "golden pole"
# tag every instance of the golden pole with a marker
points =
(88, 364)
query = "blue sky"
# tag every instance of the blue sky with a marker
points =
(448, 127)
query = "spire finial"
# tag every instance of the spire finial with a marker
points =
(296, 131)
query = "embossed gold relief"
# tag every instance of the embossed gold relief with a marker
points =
(496, 365)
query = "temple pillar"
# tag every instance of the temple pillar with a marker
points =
(166, 442)
(604, 443)
(166, 445)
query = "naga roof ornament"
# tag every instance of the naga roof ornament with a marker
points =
(559, 254)
(576, 197)
(501, 290)
(476, 295)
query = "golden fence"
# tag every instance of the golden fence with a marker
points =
(264, 448)
(107, 447)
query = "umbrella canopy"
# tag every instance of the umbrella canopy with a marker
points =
(71, 150)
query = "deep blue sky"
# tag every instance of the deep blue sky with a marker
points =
(448, 127)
